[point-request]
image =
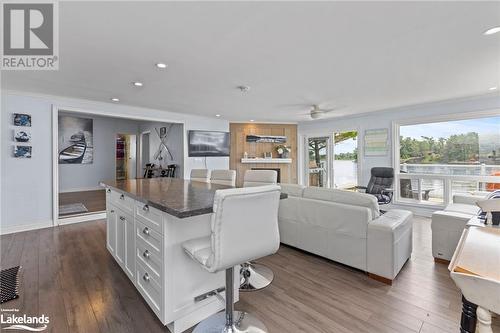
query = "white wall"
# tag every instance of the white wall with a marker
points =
(385, 119)
(26, 185)
(81, 177)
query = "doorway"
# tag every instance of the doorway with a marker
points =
(126, 156)
(318, 153)
(345, 160)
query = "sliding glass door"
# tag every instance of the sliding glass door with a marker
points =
(318, 166)
(345, 160)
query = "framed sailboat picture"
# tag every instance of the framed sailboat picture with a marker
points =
(75, 143)
(22, 151)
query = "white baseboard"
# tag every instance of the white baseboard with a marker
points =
(25, 227)
(81, 218)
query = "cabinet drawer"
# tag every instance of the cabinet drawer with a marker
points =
(122, 201)
(150, 288)
(151, 237)
(150, 257)
(150, 216)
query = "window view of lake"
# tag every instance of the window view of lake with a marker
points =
(454, 148)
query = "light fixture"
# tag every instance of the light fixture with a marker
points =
(161, 65)
(251, 120)
(492, 88)
(492, 31)
(137, 84)
(217, 115)
(114, 99)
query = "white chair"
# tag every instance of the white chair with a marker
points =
(256, 276)
(231, 242)
(259, 178)
(223, 177)
(200, 175)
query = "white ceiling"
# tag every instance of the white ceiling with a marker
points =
(360, 56)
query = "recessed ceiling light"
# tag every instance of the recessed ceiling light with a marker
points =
(492, 88)
(492, 31)
(252, 120)
(161, 65)
(137, 84)
(114, 99)
(217, 115)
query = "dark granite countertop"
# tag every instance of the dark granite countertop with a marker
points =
(178, 197)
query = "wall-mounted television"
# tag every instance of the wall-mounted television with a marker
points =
(208, 143)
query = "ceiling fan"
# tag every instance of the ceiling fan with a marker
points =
(316, 112)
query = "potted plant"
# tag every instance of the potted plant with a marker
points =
(283, 151)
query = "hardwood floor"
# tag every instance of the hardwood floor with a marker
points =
(69, 276)
(95, 200)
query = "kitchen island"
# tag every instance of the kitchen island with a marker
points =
(147, 221)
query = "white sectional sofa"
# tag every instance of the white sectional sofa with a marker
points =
(346, 227)
(448, 224)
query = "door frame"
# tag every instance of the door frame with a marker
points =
(329, 151)
(329, 133)
(55, 154)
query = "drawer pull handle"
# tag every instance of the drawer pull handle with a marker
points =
(146, 277)
(108, 190)
(145, 231)
(146, 254)
(122, 218)
(122, 197)
(112, 211)
(145, 208)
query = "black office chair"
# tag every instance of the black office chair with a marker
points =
(380, 184)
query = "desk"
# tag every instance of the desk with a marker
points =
(475, 269)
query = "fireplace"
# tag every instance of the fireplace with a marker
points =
(275, 169)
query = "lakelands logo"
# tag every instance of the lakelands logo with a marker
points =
(30, 36)
(23, 322)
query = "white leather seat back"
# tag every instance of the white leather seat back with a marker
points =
(200, 175)
(244, 226)
(259, 178)
(223, 177)
(293, 190)
(345, 197)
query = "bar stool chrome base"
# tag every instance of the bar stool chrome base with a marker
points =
(255, 276)
(243, 322)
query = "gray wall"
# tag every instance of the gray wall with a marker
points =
(174, 143)
(81, 177)
(26, 185)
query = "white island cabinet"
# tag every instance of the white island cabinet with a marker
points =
(146, 243)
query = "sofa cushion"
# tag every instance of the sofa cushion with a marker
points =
(292, 190)
(462, 208)
(345, 197)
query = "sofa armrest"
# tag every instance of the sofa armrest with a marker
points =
(389, 243)
(467, 199)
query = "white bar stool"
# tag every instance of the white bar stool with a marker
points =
(231, 243)
(200, 175)
(223, 177)
(255, 276)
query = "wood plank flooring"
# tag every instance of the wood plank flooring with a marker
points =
(95, 200)
(69, 276)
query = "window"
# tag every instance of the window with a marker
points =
(440, 159)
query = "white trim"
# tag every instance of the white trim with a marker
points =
(81, 218)
(82, 189)
(25, 227)
(55, 163)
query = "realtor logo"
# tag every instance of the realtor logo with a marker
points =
(30, 36)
